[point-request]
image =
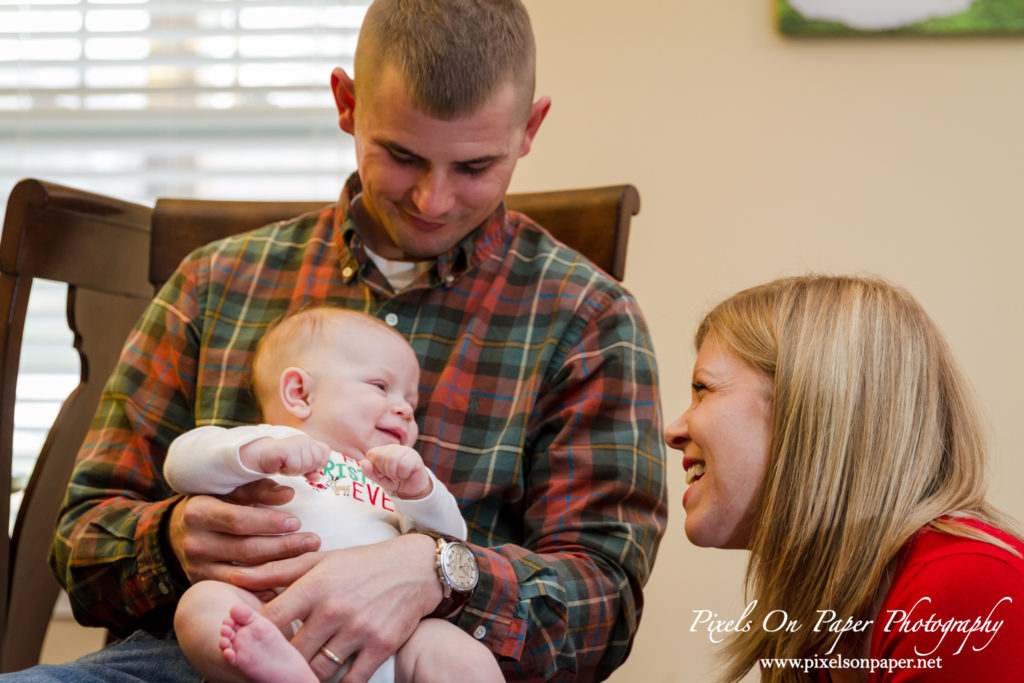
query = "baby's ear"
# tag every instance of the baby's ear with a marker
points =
(297, 392)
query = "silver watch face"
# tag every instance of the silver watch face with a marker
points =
(459, 567)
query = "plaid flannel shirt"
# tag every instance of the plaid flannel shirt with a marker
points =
(538, 409)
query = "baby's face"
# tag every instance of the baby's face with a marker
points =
(365, 391)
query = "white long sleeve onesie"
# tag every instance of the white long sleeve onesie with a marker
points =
(344, 509)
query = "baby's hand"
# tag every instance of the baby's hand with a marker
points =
(399, 470)
(296, 455)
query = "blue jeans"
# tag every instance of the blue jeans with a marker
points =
(139, 657)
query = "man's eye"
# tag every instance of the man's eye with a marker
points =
(698, 387)
(473, 170)
(403, 159)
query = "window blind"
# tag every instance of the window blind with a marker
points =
(212, 98)
(140, 99)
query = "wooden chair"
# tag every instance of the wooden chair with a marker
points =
(594, 221)
(113, 254)
(98, 246)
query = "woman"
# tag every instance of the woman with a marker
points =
(832, 435)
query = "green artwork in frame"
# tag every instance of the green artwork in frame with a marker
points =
(902, 17)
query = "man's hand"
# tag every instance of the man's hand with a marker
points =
(209, 535)
(399, 470)
(360, 603)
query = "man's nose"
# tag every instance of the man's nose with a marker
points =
(434, 194)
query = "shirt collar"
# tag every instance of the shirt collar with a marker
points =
(471, 250)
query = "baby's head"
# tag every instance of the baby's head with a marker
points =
(342, 377)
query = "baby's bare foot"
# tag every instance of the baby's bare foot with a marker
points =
(252, 643)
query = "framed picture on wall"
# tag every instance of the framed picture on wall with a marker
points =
(903, 17)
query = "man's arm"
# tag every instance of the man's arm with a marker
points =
(565, 600)
(113, 550)
(109, 551)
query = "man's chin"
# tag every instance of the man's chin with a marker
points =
(427, 249)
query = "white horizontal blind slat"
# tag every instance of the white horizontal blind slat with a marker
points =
(84, 86)
(140, 99)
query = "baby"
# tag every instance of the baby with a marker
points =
(339, 389)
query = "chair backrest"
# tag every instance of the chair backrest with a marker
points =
(113, 254)
(99, 247)
(594, 221)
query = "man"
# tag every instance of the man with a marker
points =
(538, 405)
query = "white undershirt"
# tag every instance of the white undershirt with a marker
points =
(399, 274)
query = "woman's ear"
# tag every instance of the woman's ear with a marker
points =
(297, 392)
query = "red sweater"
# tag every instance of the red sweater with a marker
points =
(943, 577)
(957, 583)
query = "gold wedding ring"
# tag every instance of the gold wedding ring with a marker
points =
(331, 656)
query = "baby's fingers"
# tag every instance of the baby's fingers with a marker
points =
(369, 470)
(406, 464)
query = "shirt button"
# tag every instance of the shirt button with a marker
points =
(449, 279)
(163, 588)
(347, 272)
(479, 632)
(391, 319)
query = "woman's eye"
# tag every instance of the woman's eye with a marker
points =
(698, 387)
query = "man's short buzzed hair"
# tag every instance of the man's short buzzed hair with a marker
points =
(452, 54)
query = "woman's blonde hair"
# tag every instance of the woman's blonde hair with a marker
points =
(874, 436)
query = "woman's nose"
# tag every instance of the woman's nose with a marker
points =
(677, 434)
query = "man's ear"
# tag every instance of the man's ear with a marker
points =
(537, 113)
(344, 91)
(297, 392)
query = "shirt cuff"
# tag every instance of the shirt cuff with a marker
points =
(494, 614)
(160, 579)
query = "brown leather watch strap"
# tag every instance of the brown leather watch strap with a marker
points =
(452, 598)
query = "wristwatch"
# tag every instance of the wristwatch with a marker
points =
(456, 570)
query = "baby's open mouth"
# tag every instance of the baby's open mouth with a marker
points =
(394, 433)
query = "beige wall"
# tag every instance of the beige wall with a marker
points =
(758, 156)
